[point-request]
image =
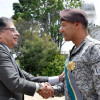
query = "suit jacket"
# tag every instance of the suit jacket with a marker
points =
(14, 82)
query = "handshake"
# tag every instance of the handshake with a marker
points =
(45, 90)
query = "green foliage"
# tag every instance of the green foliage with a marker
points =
(37, 52)
(46, 13)
(73, 3)
(26, 30)
(55, 67)
(33, 18)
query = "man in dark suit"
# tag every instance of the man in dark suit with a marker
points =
(14, 82)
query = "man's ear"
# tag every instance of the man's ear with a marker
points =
(76, 24)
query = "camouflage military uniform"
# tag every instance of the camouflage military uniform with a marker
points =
(86, 72)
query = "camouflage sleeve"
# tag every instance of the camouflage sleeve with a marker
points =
(96, 77)
(59, 89)
(95, 63)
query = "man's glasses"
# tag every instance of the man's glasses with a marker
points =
(11, 29)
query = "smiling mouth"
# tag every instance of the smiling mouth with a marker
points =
(16, 39)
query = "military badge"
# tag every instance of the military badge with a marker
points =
(71, 66)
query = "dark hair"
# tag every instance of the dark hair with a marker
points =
(85, 24)
(4, 21)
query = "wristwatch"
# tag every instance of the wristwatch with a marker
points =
(40, 87)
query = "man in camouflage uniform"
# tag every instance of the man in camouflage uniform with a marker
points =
(85, 54)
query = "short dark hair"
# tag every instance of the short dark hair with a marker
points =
(4, 21)
(74, 15)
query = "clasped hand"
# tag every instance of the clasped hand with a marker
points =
(47, 91)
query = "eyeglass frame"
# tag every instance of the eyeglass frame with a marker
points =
(11, 29)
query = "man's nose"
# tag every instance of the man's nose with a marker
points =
(61, 30)
(17, 33)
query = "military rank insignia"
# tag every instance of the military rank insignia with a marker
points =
(71, 66)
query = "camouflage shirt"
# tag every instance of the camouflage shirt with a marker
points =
(86, 72)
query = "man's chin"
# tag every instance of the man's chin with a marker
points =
(15, 44)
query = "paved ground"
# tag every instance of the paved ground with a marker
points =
(37, 97)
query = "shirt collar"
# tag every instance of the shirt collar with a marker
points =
(6, 47)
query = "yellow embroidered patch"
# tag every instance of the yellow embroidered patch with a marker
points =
(71, 65)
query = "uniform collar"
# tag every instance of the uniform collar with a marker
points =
(75, 50)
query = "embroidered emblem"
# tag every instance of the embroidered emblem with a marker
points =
(71, 66)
